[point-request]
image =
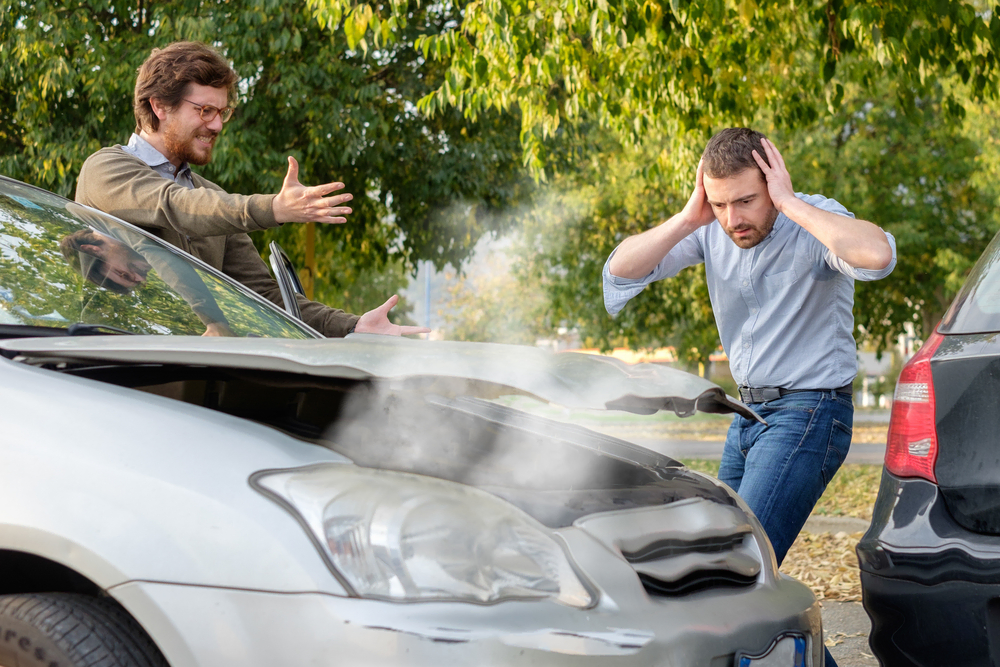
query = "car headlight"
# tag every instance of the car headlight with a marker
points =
(407, 537)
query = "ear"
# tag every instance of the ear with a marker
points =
(159, 109)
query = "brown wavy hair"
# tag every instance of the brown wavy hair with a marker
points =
(729, 152)
(167, 72)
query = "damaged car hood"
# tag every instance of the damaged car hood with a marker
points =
(448, 368)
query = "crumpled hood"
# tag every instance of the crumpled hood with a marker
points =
(484, 370)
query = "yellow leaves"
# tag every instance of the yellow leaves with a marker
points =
(746, 10)
(356, 25)
(827, 563)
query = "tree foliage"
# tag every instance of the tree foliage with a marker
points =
(345, 113)
(681, 66)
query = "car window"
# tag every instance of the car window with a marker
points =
(62, 263)
(976, 309)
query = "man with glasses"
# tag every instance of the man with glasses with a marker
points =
(182, 99)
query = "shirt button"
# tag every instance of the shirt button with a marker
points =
(746, 346)
(753, 311)
(746, 282)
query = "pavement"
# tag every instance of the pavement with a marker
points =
(846, 626)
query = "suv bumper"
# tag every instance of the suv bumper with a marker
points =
(931, 587)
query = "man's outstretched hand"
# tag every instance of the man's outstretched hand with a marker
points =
(377, 321)
(298, 203)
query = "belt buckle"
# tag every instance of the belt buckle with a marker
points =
(770, 394)
(759, 394)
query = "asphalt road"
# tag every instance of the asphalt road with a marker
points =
(695, 449)
(846, 626)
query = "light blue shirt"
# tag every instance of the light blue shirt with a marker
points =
(783, 307)
(144, 150)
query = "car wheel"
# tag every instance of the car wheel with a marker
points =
(69, 630)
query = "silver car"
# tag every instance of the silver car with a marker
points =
(277, 498)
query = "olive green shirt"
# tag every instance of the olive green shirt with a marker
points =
(204, 221)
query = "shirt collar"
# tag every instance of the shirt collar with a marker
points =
(145, 151)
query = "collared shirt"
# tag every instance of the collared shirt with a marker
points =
(783, 307)
(144, 150)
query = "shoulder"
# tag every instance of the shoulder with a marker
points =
(109, 157)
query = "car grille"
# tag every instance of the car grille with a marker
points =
(682, 548)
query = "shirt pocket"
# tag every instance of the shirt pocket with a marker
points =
(780, 276)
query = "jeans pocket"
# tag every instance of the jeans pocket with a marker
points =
(836, 449)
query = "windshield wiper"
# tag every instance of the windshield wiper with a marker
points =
(83, 329)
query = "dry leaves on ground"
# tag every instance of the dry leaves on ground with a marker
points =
(827, 564)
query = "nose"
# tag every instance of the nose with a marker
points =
(215, 125)
(732, 215)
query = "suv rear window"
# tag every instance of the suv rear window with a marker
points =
(976, 309)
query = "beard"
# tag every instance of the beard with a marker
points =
(757, 235)
(186, 147)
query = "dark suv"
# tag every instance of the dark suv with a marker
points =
(930, 562)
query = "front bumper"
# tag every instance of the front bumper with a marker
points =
(931, 587)
(212, 627)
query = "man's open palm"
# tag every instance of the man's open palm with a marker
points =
(299, 203)
(377, 321)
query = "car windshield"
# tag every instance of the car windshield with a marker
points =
(976, 309)
(63, 264)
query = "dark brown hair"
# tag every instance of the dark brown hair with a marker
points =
(167, 72)
(729, 152)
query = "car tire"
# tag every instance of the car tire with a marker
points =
(69, 630)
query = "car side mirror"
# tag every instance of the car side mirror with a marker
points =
(288, 279)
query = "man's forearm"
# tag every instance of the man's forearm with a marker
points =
(858, 242)
(638, 255)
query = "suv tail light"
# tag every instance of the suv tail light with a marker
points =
(912, 447)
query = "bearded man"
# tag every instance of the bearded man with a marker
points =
(780, 268)
(182, 98)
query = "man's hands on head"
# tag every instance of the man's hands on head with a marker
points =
(377, 321)
(779, 181)
(298, 203)
(698, 212)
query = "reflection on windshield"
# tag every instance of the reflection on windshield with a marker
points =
(61, 263)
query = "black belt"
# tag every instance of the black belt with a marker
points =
(764, 394)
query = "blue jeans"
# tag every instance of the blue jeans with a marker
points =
(781, 469)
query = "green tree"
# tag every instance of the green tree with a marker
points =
(345, 113)
(681, 66)
(920, 177)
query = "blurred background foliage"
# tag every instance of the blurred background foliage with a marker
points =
(564, 124)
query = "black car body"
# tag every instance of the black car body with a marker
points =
(930, 562)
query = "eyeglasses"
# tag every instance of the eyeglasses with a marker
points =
(208, 112)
